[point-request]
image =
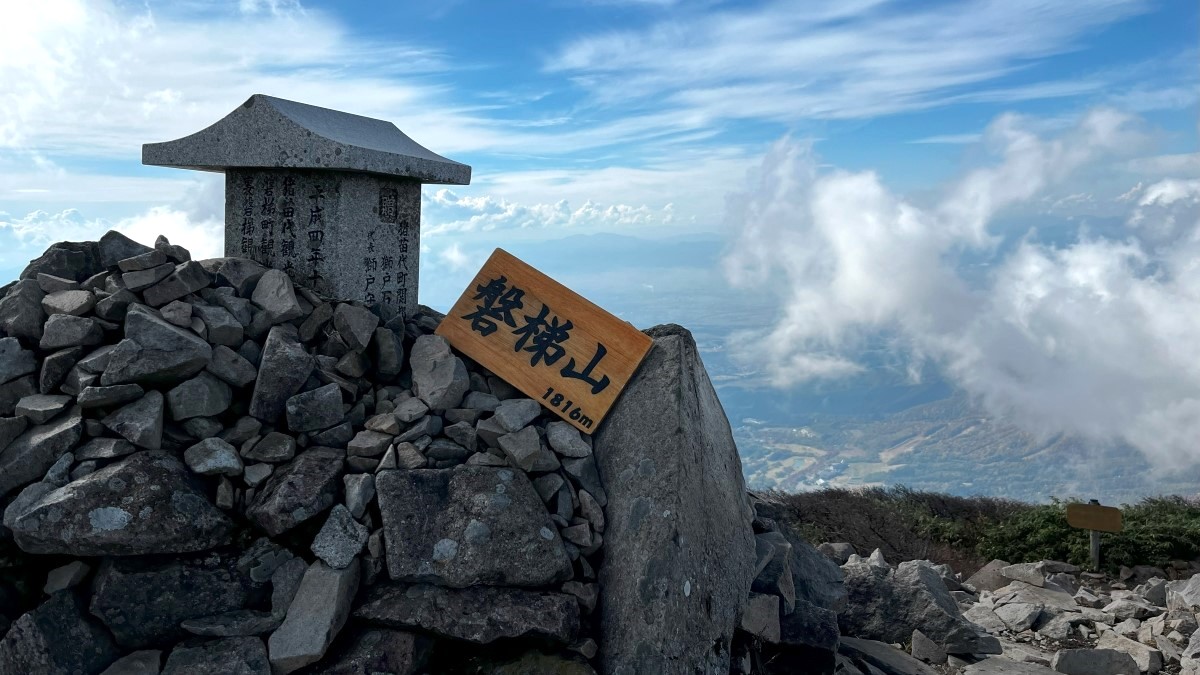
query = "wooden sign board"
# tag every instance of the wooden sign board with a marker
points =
(545, 340)
(1094, 517)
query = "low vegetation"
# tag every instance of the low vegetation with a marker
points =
(967, 532)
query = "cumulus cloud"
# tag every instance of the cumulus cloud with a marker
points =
(445, 211)
(1095, 338)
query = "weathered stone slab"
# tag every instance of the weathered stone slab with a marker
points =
(284, 369)
(678, 548)
(468, 525)
(57, 638)
(298, 490)
(316, 615)
(101, 514)
(230, 656)
(32, 453)
(155, 352)
(479, 614)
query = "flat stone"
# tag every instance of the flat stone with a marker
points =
(115, 247)
(55, 368)
(255, 474)
(760, 616)
(368, 444)
(202, 396)
(478, 614)
(775, 577)
(274, 447)
(297, 491)
(103, 397)
(884, 657)
(35, 642)
(340, 539)
(231, 367)
(235, 655)
(284, 369)
(583, 472)
(52, 284)
(115, 306)
(468, 525)
(75, 303)
(155, 352)
(316, 615)
(566, 440)
(67, 576)
(410, 410)
(213, 457)
(14, 360)
(184, 279)
(64, 330)
(142, 662)
(144, 261)
(32, 453)
(41, 408)
(516, 413)
(429, 425)
(242, 274)
(314, 410)
(1148, 659)
(524, 449)
(140, 422)
(235, 623)
(462, 433)
(142, 279)
(478, 400)
(409, 457)
(356, 325)
(385, 423)
(999, 665)
(1030, 573)
(1019, 616)
(100, 514)
(1093, 662)
(276, 296)
(444, 449)
(439, 377)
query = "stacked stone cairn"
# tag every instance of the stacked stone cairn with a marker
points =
(207, 469)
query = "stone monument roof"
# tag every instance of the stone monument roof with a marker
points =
(269, 132)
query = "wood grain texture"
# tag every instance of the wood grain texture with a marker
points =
(624, 346)
(1094, 517)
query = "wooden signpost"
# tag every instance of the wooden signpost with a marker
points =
(544, 339)
(1097, 519)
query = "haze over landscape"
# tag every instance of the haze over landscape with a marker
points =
(951, 245)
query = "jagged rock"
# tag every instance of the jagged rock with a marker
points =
(116, 306)
(104, 448)
(760, 616)
(468, 525)
(410, 410)
(144, 261)
(231, 367)
(57, 638)
(235, 623)
(515, 414)
(142, 662)
(1131, 608)
(55, 368)
(67, 576)
(314, 410)
(1148, 659)
(889, 605)
(10, 429)
(284, 369)
(886, 658)
(213, 457)
(242, 274)
(186, 278)
(32, 453)
(1184, 594)
(75, 303)
(41, 408)
(999, 665)
(479, 614)
(21, 313)
(100, 515)
(566, 440)
(1018, 616)
(114, 247)
(276, 296)
(429, 425)
(672, 585)
(144, 600)
(775, 575)
(1093, 662)
(389, 353)
(202, 396)
(67, 259)
(15, 361)
(155, 352)
(274, 447)
(524, 449)
(105, 397)
(222, 327)
(356, 325)
(439, 377)
(229, 656)
(64, 330)
(140, 280)
(51, 284)
(297, 491)
(316, 615)
(368, 444)
(924, 649)
(140, 422)
(341, 538)
(360, 491)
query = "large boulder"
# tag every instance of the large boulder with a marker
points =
(57, 638)
(155, 352)
(888, 605)
(479, 614)
(468, 525)
(679, 548)
(144, 600)
(117, 511)
(74, 260)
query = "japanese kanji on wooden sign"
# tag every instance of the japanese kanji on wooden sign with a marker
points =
(545, 340)
(1094, 517)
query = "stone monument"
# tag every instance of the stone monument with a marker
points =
(331, 198)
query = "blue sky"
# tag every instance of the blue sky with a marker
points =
(990, 184)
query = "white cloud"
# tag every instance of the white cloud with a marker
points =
(1094, 338)
(445, 211)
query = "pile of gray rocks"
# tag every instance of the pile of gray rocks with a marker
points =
(205, 468)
